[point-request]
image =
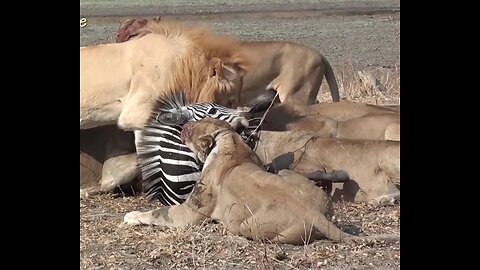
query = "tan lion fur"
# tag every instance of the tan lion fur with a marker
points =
(294, 70)
(373, 165)
(344, 119)
(121, 82)
(107, 160)
(340, 111)
(236, 190)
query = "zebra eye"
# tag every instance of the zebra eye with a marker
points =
(212, 111)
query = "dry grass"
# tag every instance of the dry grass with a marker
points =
(105, 243)
(353, 88)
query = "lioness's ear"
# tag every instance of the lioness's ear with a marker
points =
(205, 142)
(127, 23)
(139, 23)
(224, 71)
(157, 19)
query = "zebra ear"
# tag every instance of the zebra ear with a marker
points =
(205, 142)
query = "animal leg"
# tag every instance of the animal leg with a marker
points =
(392, 132)
(101, 115)
(287, 88)
(281, 162)
(137, 108)
(86, 192)
(118, 171)
(325, 180)
(177, 216)
(312, 86)
(336, 176)
(195, 209)
(120, 166)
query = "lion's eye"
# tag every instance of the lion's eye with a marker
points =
(212, 111)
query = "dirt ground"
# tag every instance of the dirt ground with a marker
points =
(355, 36)
(365, 41)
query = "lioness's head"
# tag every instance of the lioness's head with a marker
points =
(200, 136)
(132, 28)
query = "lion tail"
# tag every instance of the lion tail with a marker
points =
(328, 229)
(331, 80)
(332, 232)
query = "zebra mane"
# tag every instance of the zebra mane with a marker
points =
(149, 153)
(173, 100)
(170, 101)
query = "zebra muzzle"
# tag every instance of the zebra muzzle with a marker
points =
(170, 118)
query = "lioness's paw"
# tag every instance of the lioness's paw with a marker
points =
(389, 200)
(87, 192)
(132, 218)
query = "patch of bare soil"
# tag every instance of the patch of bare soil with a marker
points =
(105, 243)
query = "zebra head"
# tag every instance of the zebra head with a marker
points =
(169, 168)
(174, 111)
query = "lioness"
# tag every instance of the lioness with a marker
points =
(294, 70)
(340, 111)
(372, 165)
(368, 127)
(344, 119)
(119, 83)
(236, 190)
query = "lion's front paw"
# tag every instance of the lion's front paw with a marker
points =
(389, 200)
(132, 218)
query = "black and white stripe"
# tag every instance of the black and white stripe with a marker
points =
(169, 168)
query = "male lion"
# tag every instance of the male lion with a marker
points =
(236, 190)
(119, 83)
(294, 70)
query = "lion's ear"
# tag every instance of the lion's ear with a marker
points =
(205, 142)
(223, 71)
(139, 23)
(157, 19)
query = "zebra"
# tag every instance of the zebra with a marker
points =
(168, 167)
